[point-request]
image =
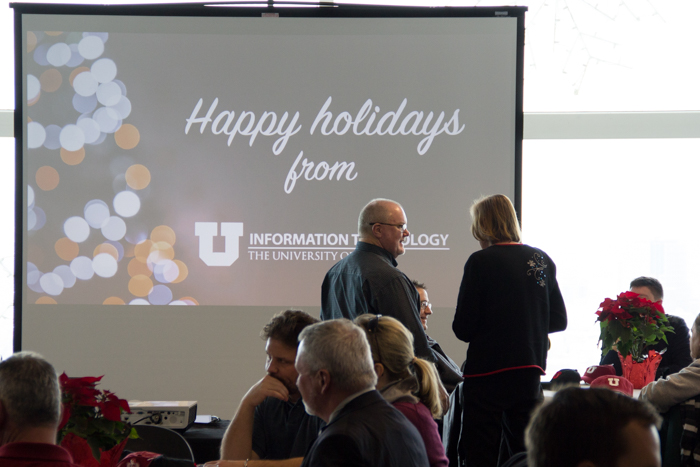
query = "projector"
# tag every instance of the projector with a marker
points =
(177, 415)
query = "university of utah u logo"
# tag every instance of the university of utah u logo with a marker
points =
(206, 231)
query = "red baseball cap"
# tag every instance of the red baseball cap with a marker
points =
(596, 371)
(614, 383)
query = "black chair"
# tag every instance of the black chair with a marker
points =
(670, 435)
(162, 441)
(452, 428)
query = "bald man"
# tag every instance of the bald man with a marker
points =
(368, 280)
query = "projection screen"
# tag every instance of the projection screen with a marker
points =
(210, 163)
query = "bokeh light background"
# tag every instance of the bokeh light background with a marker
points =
(77, 115)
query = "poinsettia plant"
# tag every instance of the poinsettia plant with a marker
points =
(631, 324)
(91, 426)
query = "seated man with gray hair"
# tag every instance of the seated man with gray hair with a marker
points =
(30, 409)
(337, 383)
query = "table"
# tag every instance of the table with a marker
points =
(548, 393)
(205, 439)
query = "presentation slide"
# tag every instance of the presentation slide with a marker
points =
(224, 161)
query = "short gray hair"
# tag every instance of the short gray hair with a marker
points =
(29, 390)
(374, 211)
(341, 348)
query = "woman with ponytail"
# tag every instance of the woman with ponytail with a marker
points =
(409, 383)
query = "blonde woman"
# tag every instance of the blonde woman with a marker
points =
(508, 302)
(409, 383)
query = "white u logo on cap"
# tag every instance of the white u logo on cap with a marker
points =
(614, 381)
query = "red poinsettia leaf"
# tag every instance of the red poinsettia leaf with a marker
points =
(658, 307)
(85, 396)
(110, 411)
(110, 458)
(85, 381)
(80, 450)
(65, 415)
(124, 405)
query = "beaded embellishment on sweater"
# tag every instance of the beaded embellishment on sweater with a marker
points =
(537, 265)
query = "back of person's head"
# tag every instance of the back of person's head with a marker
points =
(695, 339)
(581, 425)
(286, 327)
(341, 348)
(374, 211)
(29, 391)
(494, 220)
(652, 284)
(392, 346)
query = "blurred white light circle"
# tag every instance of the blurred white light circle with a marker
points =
(40, 54)
(127, 204)
(84, 104)
(108, 119)
(166, 271)
(85, 84)
(100, 140)
(136, 235)
(39, 218)
(30, 196)
(53, 137)
(36, 135)
(66, 275)
(119, 247)
(102, 35)
(109, 94)
(104, 265)
(139, 301)
(76, 229)
(104, 70)
(91, 47)
(33, 87)
(123, 107)
(31, 219)
(178, 302)
(114, 229)
(36, 285)
(96, 213)
(75, 57)
(72, 138)
(81, 267)
(160, 295)
(58, 54)
(33, 276)
(122, 86)
(51, 283)
(90, 129)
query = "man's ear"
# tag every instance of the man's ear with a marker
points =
(324, 380)
(379, 369)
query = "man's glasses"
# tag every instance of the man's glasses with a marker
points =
(425, 304)
(401, 227)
